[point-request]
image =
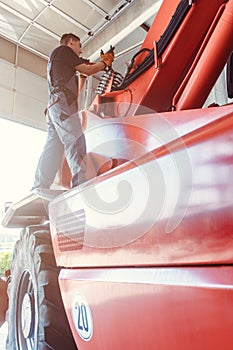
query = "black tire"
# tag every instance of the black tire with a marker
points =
(36, 316)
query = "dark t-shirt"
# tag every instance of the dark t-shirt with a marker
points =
(64, 60)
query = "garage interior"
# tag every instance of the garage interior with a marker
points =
(31, 29)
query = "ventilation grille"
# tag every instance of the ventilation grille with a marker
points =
(70, 231)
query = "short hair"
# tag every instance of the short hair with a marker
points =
(66, 38)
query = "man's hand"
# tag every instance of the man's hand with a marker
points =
(107, 57)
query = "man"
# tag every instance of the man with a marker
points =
(64, 128)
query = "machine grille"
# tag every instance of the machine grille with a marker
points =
(70, 230)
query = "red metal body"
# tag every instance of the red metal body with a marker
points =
(154, 308)
(146, 248)
(199, 48)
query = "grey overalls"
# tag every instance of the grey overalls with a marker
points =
(64, 135)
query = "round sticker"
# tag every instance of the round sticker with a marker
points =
(82, 317)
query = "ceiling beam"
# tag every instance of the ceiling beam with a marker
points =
(113, 32)
(94, 6)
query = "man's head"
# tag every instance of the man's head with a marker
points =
(73, 41)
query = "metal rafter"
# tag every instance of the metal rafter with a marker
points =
(115, 33)
(107, 20)
(95, 7)
(64, 15)
(121, 27)
(39, 26)
(29, 21)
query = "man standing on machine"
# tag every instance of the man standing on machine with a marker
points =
(64, 127)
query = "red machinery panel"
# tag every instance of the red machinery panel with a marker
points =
(172, 205)
(159, 309)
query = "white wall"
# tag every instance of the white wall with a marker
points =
(23, 95)
(219, 92)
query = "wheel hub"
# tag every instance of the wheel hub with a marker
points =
(27, 315)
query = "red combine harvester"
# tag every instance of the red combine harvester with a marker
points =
(141, 255)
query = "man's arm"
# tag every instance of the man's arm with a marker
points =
(82, 79)
(90, 69)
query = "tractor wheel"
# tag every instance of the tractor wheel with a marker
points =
(36, 315)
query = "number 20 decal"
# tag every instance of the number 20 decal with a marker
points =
(82, 318)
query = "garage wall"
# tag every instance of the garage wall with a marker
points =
(23, 95)
(23, 86)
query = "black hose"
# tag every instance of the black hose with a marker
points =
(179, 14)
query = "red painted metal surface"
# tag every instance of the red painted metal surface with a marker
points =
(119, 292)
(159, 309)
(146, 247)
(211, 62)
(158, 86)
(174, 206)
